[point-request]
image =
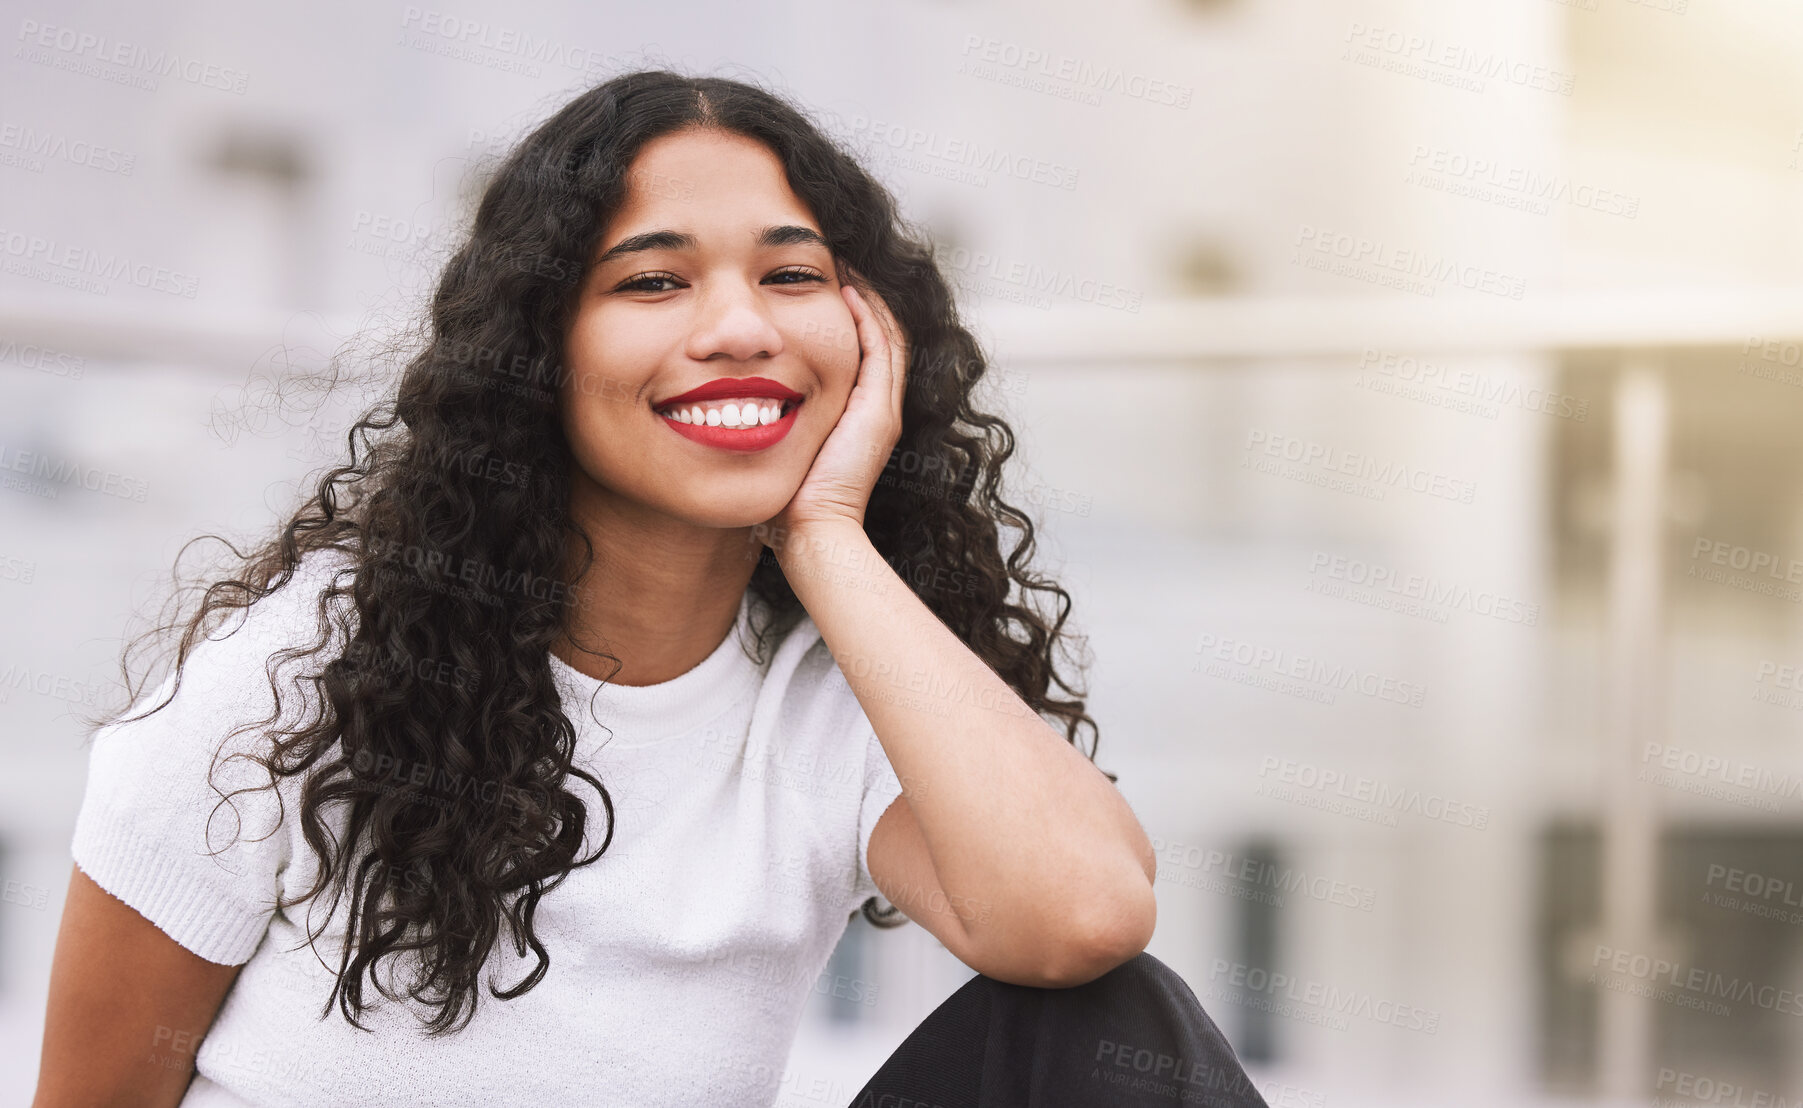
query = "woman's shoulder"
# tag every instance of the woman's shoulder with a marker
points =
(178, 816)
(235, 668)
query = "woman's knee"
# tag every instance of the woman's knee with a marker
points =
(1138, 1020)
(1141, 975)
(1144, 969)
(1141, 996)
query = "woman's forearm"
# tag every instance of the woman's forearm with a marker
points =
(1013, 815)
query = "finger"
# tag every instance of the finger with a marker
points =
(875, 344)
(900, 375)
(897, 356)
(884, 317)
(895, 348)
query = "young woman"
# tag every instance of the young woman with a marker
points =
(658, 623)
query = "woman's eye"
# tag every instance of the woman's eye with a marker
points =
(650, 282)
(802, 274)
(638, 284)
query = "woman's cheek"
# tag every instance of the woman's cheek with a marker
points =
(831, 341)
(610, 380)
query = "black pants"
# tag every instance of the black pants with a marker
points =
(1135, 1036)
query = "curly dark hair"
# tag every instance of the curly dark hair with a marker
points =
(401, 516)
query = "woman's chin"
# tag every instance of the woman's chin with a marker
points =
(728, 515)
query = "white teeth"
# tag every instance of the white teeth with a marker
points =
(730, 413)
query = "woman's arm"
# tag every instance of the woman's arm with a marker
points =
(128, 1007)
(1008, 844)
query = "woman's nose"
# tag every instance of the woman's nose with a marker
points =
(734, 321)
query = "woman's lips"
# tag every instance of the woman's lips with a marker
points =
(721, 388)
(743, 439)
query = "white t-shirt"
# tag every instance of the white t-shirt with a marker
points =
(680, 961)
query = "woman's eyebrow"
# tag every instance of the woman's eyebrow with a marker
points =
(786, 234)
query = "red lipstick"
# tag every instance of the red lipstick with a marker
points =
(734, 386)
(747, 438)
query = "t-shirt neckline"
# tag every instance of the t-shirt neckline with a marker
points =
(639, 715)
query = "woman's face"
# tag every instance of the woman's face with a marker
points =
(712, 273)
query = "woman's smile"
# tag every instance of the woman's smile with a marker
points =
(733, 413)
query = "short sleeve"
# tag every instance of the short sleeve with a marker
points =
(152, 830)
(881, 787)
